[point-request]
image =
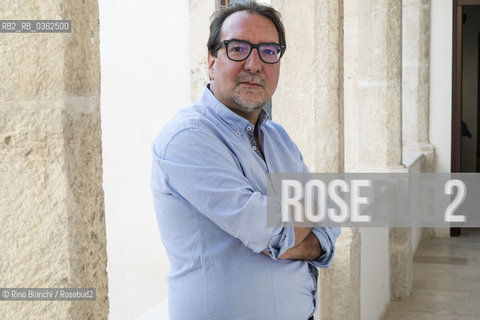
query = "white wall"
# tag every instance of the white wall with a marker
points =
(145, 67)
(441, 83)
(375, 273)
(441, 24)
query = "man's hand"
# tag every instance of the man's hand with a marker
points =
(301, 234)
(309, 249)
(306, 246)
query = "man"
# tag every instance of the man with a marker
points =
(209, 184)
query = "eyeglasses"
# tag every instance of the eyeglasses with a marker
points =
(239, 50)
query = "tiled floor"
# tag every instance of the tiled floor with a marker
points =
(446, 282)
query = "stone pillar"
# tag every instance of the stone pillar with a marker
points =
(373, 82)
(340, 285)
(415, 79)
(200, 13)
(416, 83)
(308, 99)
(401, 263)
(373, 106)
(309, 104)
(415, 109)
(51, 204)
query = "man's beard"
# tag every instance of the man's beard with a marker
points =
(241, 95)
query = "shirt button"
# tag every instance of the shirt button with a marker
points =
(238, 133)
(254, 148)
(249, 128)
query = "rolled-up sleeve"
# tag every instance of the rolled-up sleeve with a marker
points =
(279, 244)
(327, 237)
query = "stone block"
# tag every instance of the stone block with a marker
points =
(52, 209)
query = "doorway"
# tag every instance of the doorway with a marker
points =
(469, 132)
(466, 93)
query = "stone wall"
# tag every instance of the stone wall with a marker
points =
(51, 204)
(309, 101)
(415, 79)
(200, 13)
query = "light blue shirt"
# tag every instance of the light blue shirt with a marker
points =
(209, 188)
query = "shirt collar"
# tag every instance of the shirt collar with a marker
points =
(235, 121)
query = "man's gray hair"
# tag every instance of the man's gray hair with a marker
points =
(252, 7)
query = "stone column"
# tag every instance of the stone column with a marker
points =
(373, 82)
(309, 104)
(51, 204)
(373, 106)
(415, 79)
(340, 285)
(401, 263)
(200, 13)
(308, 101)
(415, 85)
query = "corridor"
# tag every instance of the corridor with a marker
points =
(446, 283)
